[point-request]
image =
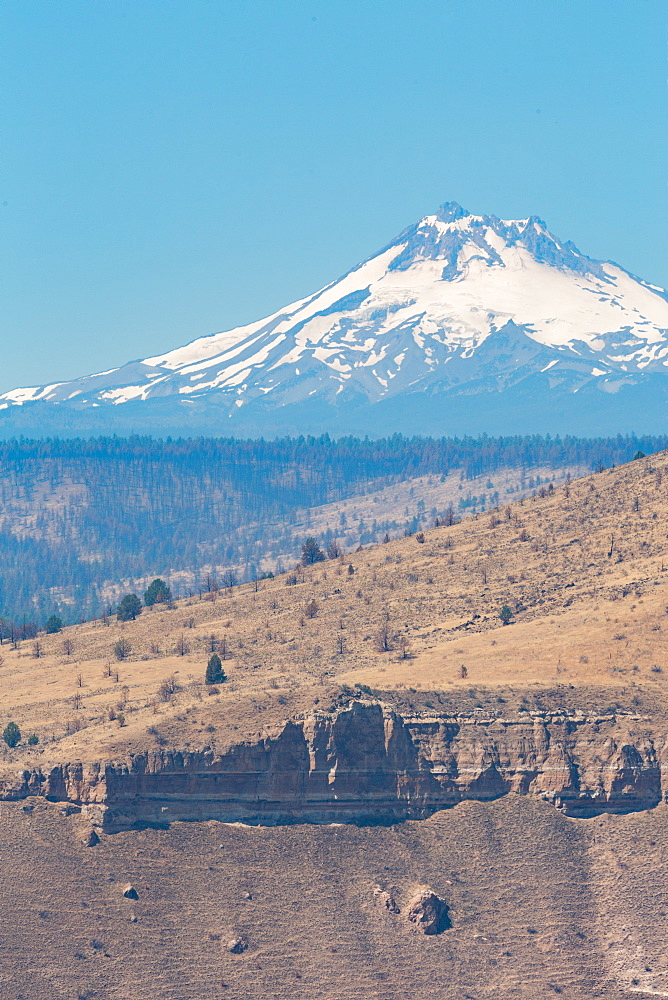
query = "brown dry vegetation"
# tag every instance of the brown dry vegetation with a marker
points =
(414, 621)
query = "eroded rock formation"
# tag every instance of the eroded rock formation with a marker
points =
(368, 764)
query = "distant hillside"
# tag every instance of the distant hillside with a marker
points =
(82, 520)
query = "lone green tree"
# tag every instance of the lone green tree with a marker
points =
(311, 552)
(129, 608)
(505, 614)
(157, 593)
(53, 625)
(214, 671)
(11, 734)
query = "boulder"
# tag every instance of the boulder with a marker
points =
(237, 945)
(429, 912)
(130, 892)
(89, 838)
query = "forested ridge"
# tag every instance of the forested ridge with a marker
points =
(81, 517)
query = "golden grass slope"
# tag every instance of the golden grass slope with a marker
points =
(583, 567)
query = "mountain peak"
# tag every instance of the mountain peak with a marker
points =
(450, 211)
(456, 304)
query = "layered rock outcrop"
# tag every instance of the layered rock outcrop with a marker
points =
(368, 764)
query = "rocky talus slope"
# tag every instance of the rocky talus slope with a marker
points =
(364, 764)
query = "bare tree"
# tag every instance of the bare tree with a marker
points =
(167, 688)
(383, 640)
(122, 649)
(334, 550)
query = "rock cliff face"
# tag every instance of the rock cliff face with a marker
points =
(366, 764)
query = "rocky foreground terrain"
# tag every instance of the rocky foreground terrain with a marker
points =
(393, 793)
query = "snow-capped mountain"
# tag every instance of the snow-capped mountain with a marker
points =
(460, 318)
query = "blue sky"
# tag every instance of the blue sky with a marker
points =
(175, 167)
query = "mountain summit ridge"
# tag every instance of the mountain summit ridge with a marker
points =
(456, 305)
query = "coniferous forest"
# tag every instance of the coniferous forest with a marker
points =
(83, 521)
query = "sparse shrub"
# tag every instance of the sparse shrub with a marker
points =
(120, 718)
(37, 649)
(111, 714)
(351, 569)
(122, 649)
(68, 647)
(129, 608)
(53, 625)
(11, 734)
(311, 609)
(334, 550)
(33, 740)
(420, 537)
(291, 580)
(214, 670)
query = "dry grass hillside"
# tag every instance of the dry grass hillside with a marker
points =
(583, 567)
(541, 905)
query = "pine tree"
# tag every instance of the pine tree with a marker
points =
(311, 552)
(53, 625)
(214, 671)
(505, 614)
(11, 734)
(129, 608)
(157, 593)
